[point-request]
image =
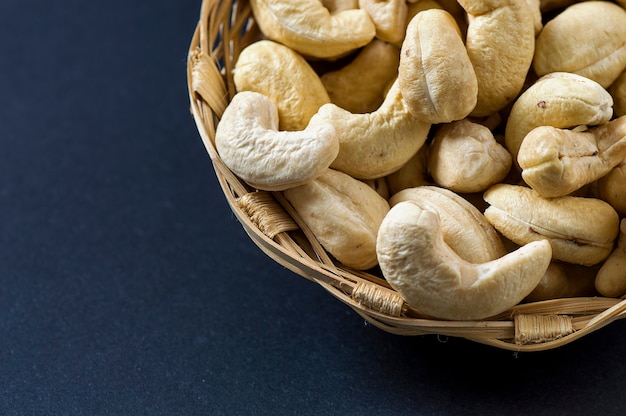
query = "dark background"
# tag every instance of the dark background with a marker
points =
(127, 287)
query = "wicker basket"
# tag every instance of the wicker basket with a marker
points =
(225, 27)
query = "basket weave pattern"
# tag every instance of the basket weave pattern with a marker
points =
(224, 29)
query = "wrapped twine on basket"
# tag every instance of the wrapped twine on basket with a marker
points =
(224, 28)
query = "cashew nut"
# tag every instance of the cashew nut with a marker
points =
(464, 228)
(389, 17)
(612, 188)
(431, 277)
(578, 41)
(248, 141)
(581, 230)
(436, 75)
(611, 278)
(284, 76)
(500, 43)
(375, 144)
(360, 86)
(556, 162)
(344, 215)
(465, 157)
(560, 100)
(311, 29)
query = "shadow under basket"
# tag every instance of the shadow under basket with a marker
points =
(226, 27)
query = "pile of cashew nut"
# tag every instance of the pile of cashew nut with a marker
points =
(473, 152)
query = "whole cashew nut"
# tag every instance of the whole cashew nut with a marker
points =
(556, 162)
(500, 43)
(375, 144)
(344, 215)
(248, 141)
(577, 41)
(560, 100)
(465, 157)
(431, 277)
(284, 76)
(581, 230)
(436, 75)
(311, 29)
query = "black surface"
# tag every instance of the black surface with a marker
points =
(128, 288)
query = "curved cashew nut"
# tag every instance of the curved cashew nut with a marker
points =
(500, 43)
(464, 227)
(436, 75)
(560, 100)
(431, 277)
(611, 188)
(375, 144)
(309, 28)
(360, 86)
(465, 157)
(556, 162)
(344, 215)
(581, 230)
(577, 41)
(611, 278)
(284, 76)
(248, 141)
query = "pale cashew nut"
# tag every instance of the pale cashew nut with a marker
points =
(435, 74)
(556, 162)
(284, 76)
(311, 29)
(431, 277)
(248, 141)
(580, 42)
(500, 43)
(560, 100)
(389, 17)
(612, 188)
(361, 85)
(375, 144)
(581, 230)
(611, 278)
(465, 157)
(343, 214)
(464, 227)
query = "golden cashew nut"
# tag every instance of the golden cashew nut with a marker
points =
(360, 86)
(560, 100)
(344, 215)
(435, 74)
(431, 277)
(611, 278)
(284, 76)
(465, 157)
(580, 230)
(311, 29)
(248, 141)
(500, 43)
(556, 162)
(577, 40)
(464, 227)
(375, 144)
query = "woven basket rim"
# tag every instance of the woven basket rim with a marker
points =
(223, 29)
